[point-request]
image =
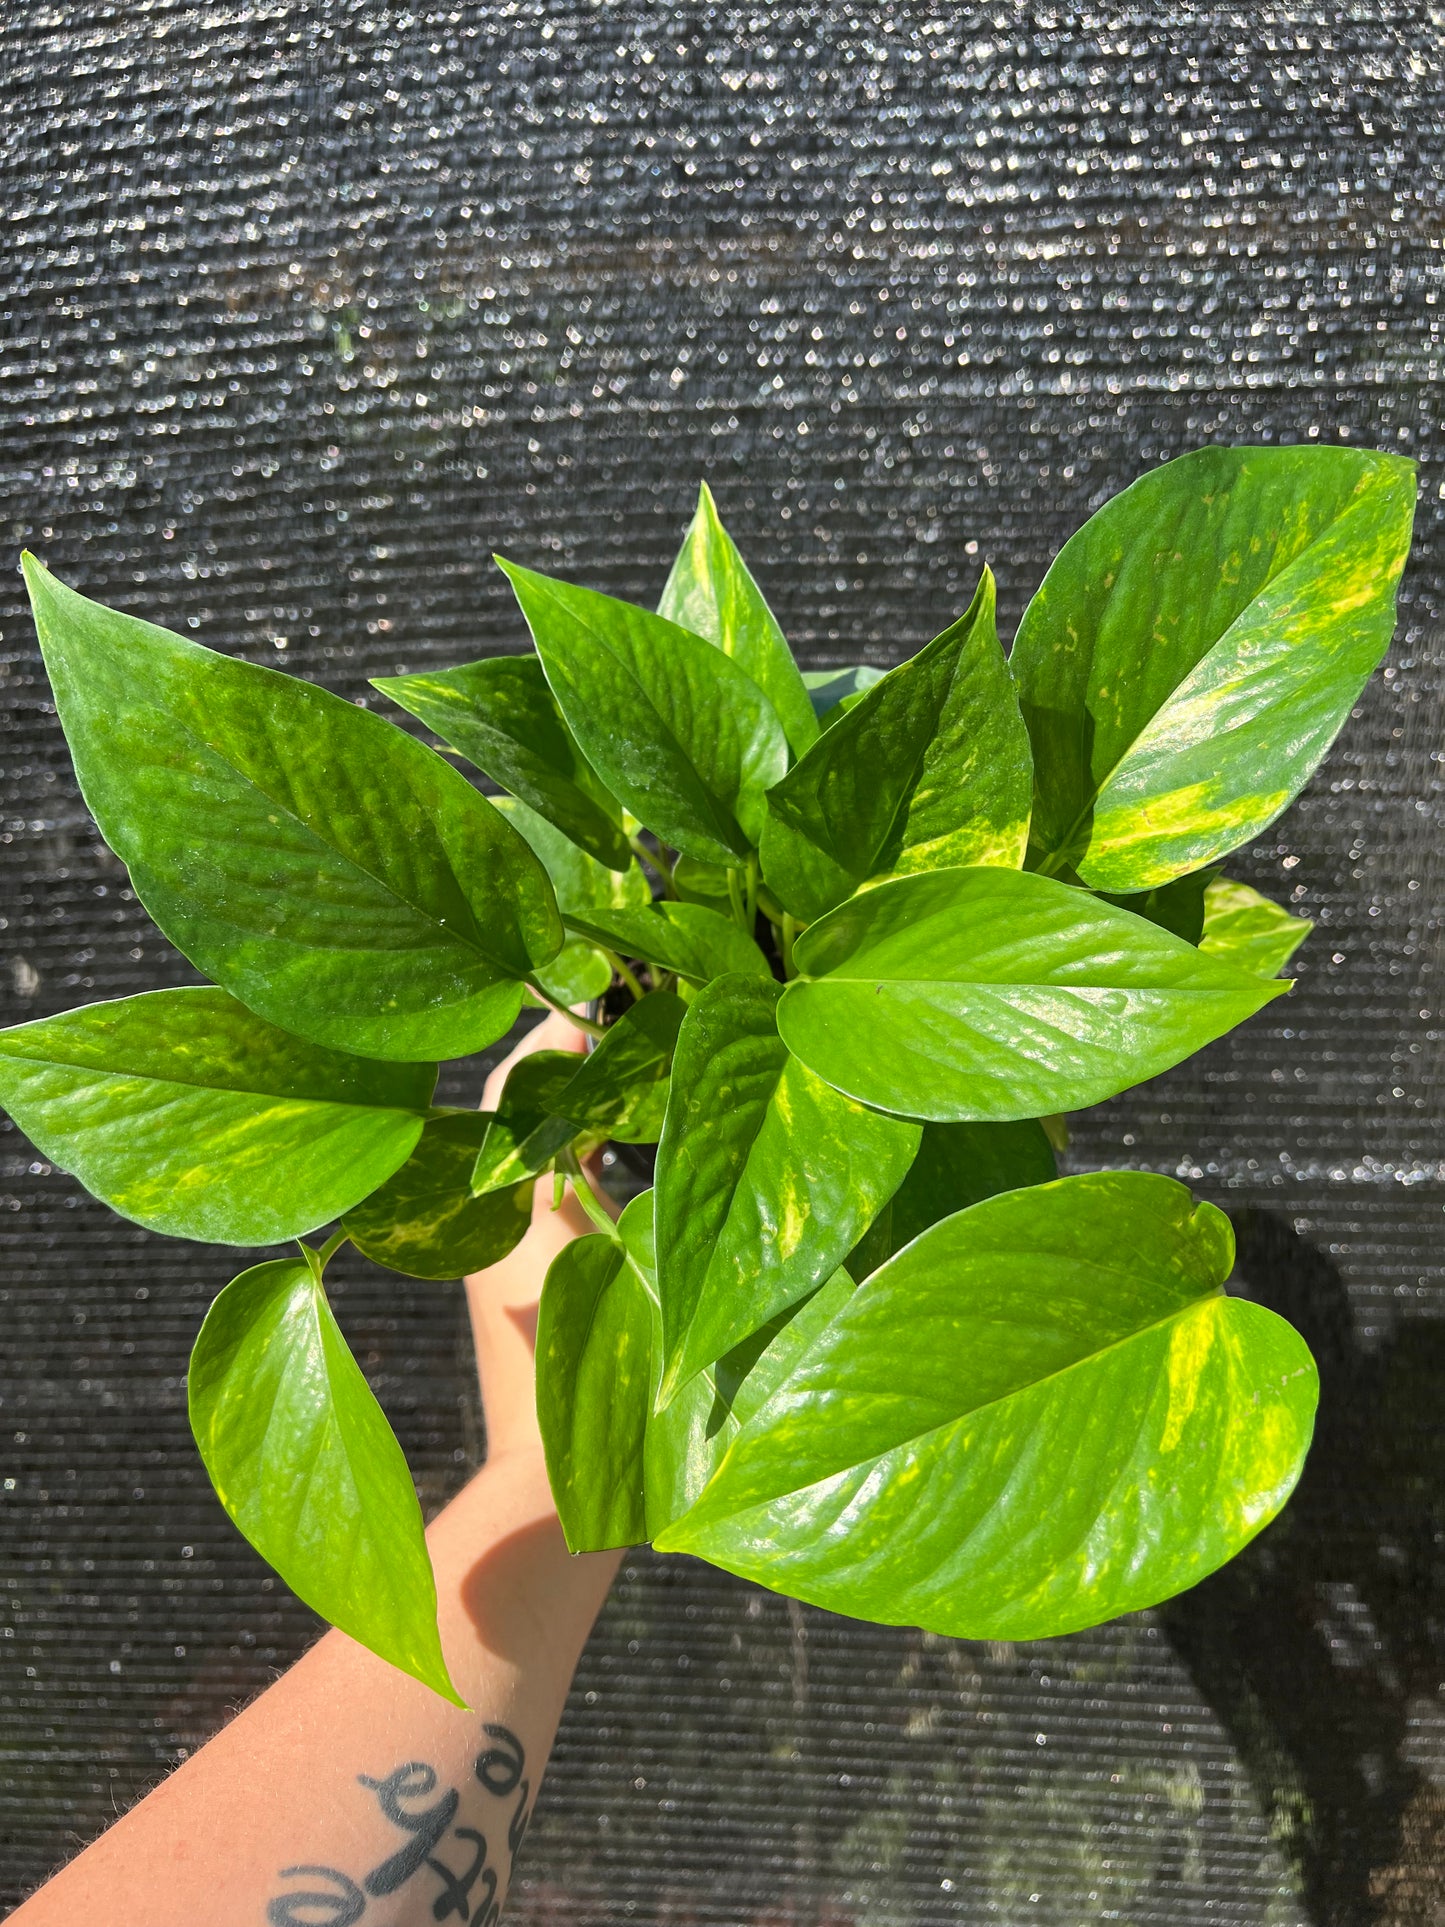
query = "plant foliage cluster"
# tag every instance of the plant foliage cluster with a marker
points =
(860, 939)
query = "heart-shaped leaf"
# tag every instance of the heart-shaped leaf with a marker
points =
(426, 1223)
(1245, 929)
(303, 1460)
(929, 770)
(1042, 1413)
(677, 731)
(711, 593)
(687, 938)
(502, 716)
(766, 1176)
(335, 875)
(1195, 648)
(987, 994)
(188, 1113)
(518, 1148)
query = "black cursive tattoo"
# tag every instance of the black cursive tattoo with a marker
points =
(410, 1799)
(499, 1766)
(427, 1826)
(341, 1909)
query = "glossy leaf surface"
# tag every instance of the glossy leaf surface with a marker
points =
(765, 1177)
(1243, 928)
(336, 876)
(621, 1473)
(956, 1165)
(1041, 1414)
(303, 1460)
(188, 1113)
(502, 716)
(688, 938)
(685, 1444)
(681, 735)
(929, 770)
(711, 593)
(425, 1222)
(620, 1088)
(986, 994)
(1196, 646)
(519, 1148)
(594, 1387)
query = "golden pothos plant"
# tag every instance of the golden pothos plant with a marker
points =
(847, 940)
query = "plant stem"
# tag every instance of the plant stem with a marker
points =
(790, 931)
(624, 973)
(588, 1199)
(318, 1260)
(751, 887)
(582, 1023)
(333, 1244)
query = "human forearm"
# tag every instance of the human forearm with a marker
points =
(350, 1781)
(349, 1793)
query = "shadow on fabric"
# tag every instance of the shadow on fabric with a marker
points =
(1318, 1644)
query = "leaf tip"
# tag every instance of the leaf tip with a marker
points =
(673, 1380)
(444, 1688)
(38, 578)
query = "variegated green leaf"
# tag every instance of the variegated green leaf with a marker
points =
(711, 592)
(989, 995)
(1245, 929)
(1194, 649)
(335, 874)
(680, 734)
(303, 1460)
(425, 1222)
(766, 1176)
(502, 716)
(1042, 1413)
(188, 1113)
(594, 1387)
(928, 770)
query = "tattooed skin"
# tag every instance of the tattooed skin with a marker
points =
(455, 1862)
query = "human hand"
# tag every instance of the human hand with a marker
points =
(503, 1299)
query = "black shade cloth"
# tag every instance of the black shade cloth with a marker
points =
(309, 308)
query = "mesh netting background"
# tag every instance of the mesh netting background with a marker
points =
(307, 309)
